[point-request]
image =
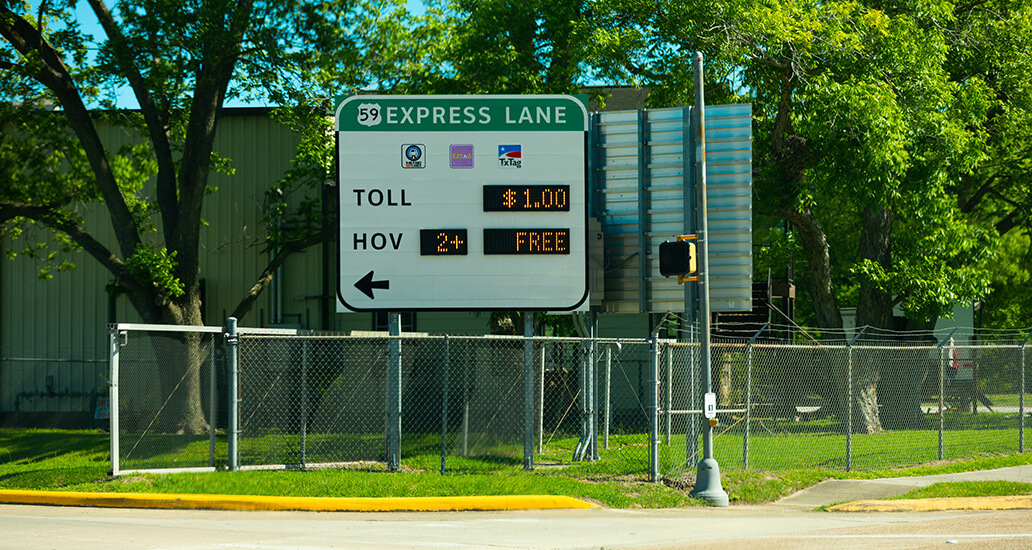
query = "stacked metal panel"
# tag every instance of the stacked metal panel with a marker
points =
(645, 194)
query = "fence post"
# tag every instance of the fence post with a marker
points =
(608, 405)
(233, 351)
(113, 348)
(465, 402)
(849, 398)
(748, 404)
(394, 391)
(653, 384)
(593, 385)
(1021, 397)
(444, 405)
(528, 391)
(943, 357)
(849, 406)
(942, 389)
(654, 409)
(541, 401)
(213, 402)
(668, 395)
(305, 358)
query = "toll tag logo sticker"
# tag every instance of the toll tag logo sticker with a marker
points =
(510, 156)
(460, 156)
(413, 155)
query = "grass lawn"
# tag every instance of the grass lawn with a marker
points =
(79, 461)
(970, 489)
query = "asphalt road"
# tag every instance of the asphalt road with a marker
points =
(767, 527)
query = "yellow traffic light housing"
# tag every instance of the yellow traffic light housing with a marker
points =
(679, 258)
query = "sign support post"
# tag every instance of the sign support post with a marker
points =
(528, 391)
(394, 391)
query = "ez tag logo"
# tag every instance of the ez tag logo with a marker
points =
(369, 114)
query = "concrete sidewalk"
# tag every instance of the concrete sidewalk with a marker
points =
(855, 491)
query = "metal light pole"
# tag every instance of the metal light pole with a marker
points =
(707, 479)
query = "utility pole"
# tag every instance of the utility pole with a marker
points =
(707, 479)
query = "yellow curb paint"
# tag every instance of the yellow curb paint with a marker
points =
(272, 503)
(1019, 502)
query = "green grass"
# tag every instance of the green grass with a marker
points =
(78, 461)
(337, 483)
(969, 489)
(51, 459)
(71, 460)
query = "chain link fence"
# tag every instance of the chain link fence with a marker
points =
(462, 402)
(622, 407)
(169, 397)
(874, 401)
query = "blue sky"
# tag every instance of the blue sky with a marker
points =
(125, 97)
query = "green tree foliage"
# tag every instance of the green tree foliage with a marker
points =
(501, 47)
(865, 125)
(992, 42)
(858, 124)
(182, 61)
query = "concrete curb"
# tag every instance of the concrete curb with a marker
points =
(1020, 502)
(272, 503)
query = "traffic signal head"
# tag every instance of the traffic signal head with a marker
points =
(677, 258)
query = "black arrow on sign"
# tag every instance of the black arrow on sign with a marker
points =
(367, 284)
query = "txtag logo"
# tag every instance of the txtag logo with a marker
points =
(510, 156)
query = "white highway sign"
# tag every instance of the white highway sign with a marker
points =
(462, 202)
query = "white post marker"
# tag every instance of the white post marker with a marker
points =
(709, 402)
(462, 202)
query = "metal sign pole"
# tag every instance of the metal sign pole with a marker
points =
(528, 391)
(394, 391)
(707, 480)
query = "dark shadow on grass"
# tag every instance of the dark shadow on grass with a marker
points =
(53, 478)
(18, 445)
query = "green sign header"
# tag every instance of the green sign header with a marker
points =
(471, 113)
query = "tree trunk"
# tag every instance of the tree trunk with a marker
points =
(180, 358)
(863, 371)
(901, 383)
(184, 381)
(864, 391)
(874, 305)
(818, 257)
(874, 309)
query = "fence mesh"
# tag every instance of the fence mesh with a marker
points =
(311, 400)
(171, 399)
(471, 404)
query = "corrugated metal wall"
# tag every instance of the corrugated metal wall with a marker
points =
(61, 324)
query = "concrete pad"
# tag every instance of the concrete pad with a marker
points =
(1021, 502)
(838, 491)
(834, 491)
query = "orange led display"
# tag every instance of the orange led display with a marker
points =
(442, 242)
(526, 198)
(526, 241)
